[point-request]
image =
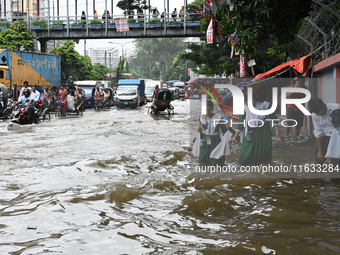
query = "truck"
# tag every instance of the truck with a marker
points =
(36, 68)
(130, 93)
(89, 87)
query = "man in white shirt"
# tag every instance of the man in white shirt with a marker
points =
(323, 127)
(24, 88)
(36, 96)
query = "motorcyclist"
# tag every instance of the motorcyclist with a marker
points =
(27, 101)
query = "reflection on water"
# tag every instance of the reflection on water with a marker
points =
(119, 182)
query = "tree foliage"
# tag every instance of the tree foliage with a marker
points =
(17, 37)
(85, 69)
(76, 67)
(155, 56)
(198, 3)
(266, 29)
(99, 71)
(128, 5)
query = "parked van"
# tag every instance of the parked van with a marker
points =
(89, 87)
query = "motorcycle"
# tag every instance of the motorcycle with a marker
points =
(6, 112)
(20, 115)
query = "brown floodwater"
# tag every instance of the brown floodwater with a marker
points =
(122, 182)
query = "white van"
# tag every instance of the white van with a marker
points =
(150, 88)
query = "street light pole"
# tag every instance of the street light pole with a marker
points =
(122, 46)
(110, 69)
(110, 55)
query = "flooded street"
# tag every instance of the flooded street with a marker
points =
(119, 182)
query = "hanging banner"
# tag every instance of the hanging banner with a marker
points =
(122, 25)
(206, 9)
(242, 66)
(233, 39)
(218, 33)
(210, 31)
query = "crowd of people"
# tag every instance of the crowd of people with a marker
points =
(213, 142)
(154, 14)
(63, 97)
(106, 13)
(174, 15)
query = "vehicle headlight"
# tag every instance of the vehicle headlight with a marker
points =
(134, 100)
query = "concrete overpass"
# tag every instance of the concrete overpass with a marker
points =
(63, 28)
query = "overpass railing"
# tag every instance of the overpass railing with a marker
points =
(89, 22)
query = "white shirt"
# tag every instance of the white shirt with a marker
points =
(323, 123)
(212, 123)
(22, 91)
(36, 96)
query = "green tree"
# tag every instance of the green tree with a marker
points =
(135, 74)
(128, 5)
(155, 73)
(17, 37)
(150, 54)
(99, 71)
(73, 66)
(198, 3)
(266, 29)
(127, 67)
(121, 64)
(85, 68)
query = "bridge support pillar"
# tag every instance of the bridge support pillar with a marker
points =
(43, 45)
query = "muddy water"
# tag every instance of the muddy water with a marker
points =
(119, 182)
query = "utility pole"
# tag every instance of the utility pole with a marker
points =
(85, 47)
(110, 69)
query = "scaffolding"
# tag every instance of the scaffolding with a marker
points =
(321, 28)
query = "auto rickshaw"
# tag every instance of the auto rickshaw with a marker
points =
(108, 97)
(162, 102)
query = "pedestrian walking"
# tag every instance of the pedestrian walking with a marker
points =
(15, 93)
(256, 139)
(208, 145)
(323, 127)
